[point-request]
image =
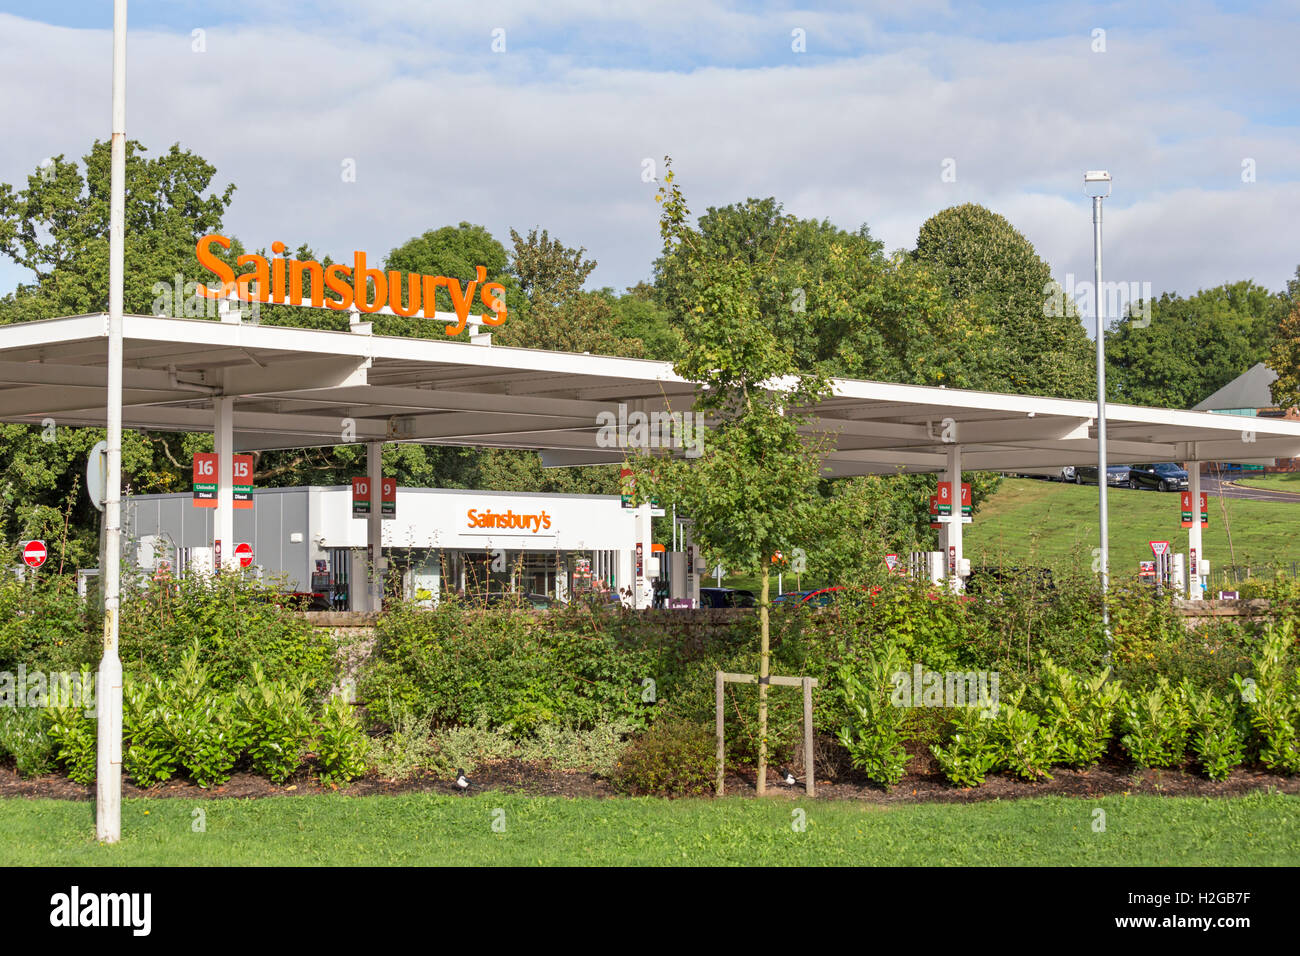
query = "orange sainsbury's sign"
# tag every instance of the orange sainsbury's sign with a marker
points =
(280, 280)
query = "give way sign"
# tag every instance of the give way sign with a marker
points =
(1159, 547)
(34, 553)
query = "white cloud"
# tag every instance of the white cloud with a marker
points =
(443, 131)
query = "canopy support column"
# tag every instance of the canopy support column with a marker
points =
(953, 479)
(223, 443)
(1195, 554)
(375, 526)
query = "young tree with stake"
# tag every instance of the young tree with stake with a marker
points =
(753, 490)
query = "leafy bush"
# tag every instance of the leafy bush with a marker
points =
(1155, 724)
(23, 736)
(1026, 743)
(406, 750)
(674, 758)
(1081, 708)
(595, 749)
(872, 732)
(235, 621)
(971, 751)
(1272, 700)
(340, 743)
(516, 671)
(201, 727)
(277, 722)
(1218, 735)
(73, 733)
(147, 755)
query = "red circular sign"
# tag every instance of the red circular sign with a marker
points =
(244, 552)
(34, 553)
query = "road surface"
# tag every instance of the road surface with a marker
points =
(1212, 486)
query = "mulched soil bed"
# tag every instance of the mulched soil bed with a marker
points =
(518, 777)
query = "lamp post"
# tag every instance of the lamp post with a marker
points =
(1096, 183)
(108, 690)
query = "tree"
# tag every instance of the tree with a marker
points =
(547, 270)
(455, 252)
(752, 489)
(992, 272)
(58, 227)
(1190, 347)
(1285, 360)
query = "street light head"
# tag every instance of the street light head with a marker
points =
(1096, 183)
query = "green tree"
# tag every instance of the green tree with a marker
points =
(547, 270)
(455, 252)
(1188, 348)
(752, 490)
(1284, 358)
(992, 273)
(58, 227)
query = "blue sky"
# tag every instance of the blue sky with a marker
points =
(1016, 98)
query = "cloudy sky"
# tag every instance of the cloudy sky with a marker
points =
(846, 111)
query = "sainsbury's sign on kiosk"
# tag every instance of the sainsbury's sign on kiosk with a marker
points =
(280, 280)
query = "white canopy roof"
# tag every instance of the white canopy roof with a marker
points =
(295, 387)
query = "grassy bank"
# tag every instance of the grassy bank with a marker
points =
(420, 829)
(1045, 523)
(1289, 482)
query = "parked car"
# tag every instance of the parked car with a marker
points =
(1163, 476)
(727, 597)
(1116, 475)
(990, 581)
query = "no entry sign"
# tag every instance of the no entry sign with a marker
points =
(34, 553)
(244, 552)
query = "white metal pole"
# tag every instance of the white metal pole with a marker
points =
(1195, 552)
(1101, 410)
(108, 701)
(954, 525)
(375, 525)
(224, 445)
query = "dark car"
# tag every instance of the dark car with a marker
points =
(992, 582)
(727, 597)
(1163, 476)
(1116, 475)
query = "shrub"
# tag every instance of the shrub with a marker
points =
(595, 749)
(872, 732)
(1155, 724)
(1272, 700)
(200, 726)
(147, 756)
(23, 736)
(1218, 737)
(971, 752)
(516, 671)
(405, 751)
(674, 758)
(234, 620)
(1081, 708)
(340, 743)
(1026, 743)
(73, 733)
(278, 724)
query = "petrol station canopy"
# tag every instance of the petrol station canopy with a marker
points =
(295, 387)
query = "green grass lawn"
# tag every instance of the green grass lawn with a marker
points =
(1289, 481)
(421, 829)
(1045, 523)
